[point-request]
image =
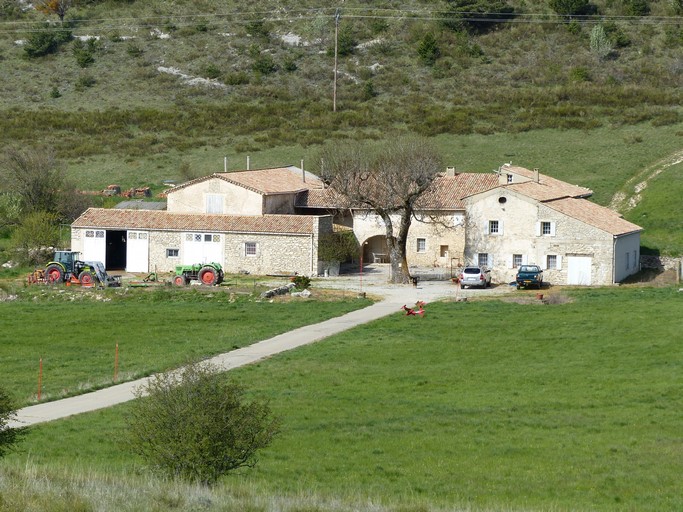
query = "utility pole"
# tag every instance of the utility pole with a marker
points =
(336, 42)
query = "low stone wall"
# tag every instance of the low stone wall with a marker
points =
(659, 262)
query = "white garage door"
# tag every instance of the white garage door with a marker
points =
(579, 270)
(202, 248)
(137, 252)
(95, 245)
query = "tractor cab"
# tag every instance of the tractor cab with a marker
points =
(67, 259)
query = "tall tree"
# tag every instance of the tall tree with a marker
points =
(35, 176)
(389, 182)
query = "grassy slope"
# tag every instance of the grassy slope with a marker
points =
(515, 416)
(75, 333)
(503, 95)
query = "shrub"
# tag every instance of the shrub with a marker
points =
(600, 43)
(46, 39)
(212, 71)
(134, 50)
(9, 437)
(338, 246)
(264, 64)
(195, 424)
(84, 81)
(428, 49)
(579, 74)
(84, 52)
(570, 7)
(636, 8)
(301, 282)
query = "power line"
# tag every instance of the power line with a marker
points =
(299, 15)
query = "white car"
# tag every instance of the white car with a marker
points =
(475, 276)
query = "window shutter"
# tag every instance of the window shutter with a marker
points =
(552, 229)
(538, 229)
(525, 259)
(486, 227)
(500, 227)
(511, 262)
(244, 249)
(544, 262)
(559, 262)
(489, 260)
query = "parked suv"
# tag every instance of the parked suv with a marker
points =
(475, 276)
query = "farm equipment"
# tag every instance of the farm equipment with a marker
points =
(206, 273)
(67, 267)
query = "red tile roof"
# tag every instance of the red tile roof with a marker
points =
(546, 188)
(278, 180)
(594, 215)
(446, 193)
(169, 221)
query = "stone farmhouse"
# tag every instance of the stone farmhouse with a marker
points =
(270, 221)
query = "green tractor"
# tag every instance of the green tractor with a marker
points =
(208, 274)
(68, 267)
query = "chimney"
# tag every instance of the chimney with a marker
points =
(536, 175)
(450, 171)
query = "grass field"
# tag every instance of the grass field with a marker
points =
(483, 405)
(75, 332)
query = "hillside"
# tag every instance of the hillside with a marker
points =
(138, 92)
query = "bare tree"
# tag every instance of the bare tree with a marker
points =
(388, 181)
(58, 7)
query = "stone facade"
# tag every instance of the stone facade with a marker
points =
(512, 229)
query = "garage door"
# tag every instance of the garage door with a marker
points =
(202, 248)
(579, 270)
(137, 252)
(94, 245)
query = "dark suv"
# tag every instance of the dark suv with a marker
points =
(475, 276)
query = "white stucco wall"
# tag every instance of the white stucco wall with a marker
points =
(626, 256)
(519, 218)
(235, 200)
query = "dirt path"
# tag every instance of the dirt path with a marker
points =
(629, 197)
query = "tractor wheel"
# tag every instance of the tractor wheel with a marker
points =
(208, 276)
(54, 274)
(179, 280)
(86, 278)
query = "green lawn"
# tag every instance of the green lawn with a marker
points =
(489, 405)
(75, 332)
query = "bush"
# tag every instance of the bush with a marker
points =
(339, 246)
(84, 52)
(45, 39)
(195, 424)
(301, 282)
(428, 49)
(9, 437)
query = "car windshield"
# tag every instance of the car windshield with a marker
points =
(529, 268)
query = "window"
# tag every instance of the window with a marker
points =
(250, 249)
(172, 253)
(214, 203)
(509, 178)
(628, 261)
(483, 259)
(493, 227)
(517, 260)
(443, 251)
(551, 261)
(421, 245)
(545, 228)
